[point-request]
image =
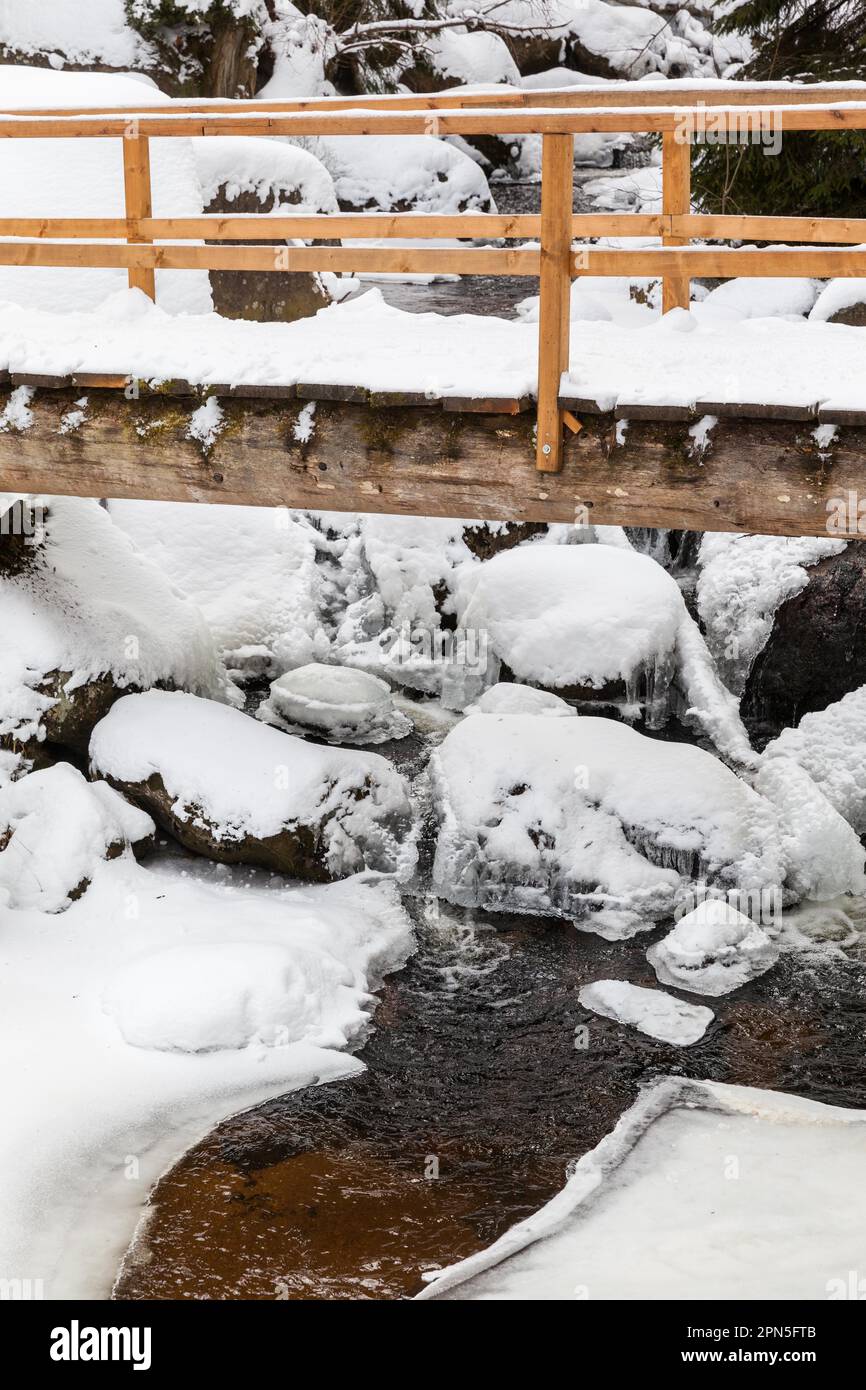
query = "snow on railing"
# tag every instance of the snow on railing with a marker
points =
(682, 113)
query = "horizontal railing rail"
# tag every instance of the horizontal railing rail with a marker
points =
(817, 247)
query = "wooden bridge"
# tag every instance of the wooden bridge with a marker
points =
(546, 458)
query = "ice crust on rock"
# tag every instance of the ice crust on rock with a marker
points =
(651, 1011)
(713, 950)
(339, 704)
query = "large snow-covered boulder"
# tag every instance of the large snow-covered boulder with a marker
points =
(251, 570)
(54, 829)
(572, 816)
(509, 697)
(84, 616)
(588, 621)
(237, 791)
(336, 703)
(713, 950)
(597, 623)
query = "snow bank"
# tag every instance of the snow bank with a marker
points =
(335, 702)
(238, 784)
(758, 298)
(712, 950)
(54, 829)
(84, 178)
(120, 1114)
(97, 32)
(567, 817)
(251, 570)
(89, 605)
(651, 1011)
(659, 1185)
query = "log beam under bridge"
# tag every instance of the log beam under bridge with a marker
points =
(463, 459)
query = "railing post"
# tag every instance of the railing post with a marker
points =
(676, 200)
(554, 317)
(136, 187)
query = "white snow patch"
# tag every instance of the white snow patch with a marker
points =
(651, 1011)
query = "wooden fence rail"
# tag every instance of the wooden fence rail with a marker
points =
(142, 243)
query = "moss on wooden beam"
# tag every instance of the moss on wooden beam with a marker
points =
(761, 475)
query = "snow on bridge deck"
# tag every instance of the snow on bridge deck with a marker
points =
(791, 366)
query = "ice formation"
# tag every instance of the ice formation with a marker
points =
(336, 702)
(712, 950)
(651, 1011)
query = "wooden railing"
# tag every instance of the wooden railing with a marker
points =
(679, 114)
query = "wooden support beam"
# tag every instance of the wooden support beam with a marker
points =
(763, 476)
(557, 176)
(137, 192)
(486, 260)
(676, 202)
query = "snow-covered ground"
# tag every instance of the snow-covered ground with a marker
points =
(702, 1191)
(153, 1007)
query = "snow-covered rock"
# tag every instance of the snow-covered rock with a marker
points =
(471, 58)
(742, 582)
(402, 173)
(757, 298)
(283, 178)
(599, 623)
(570, 816)
(841, 301)
(590, 621)
(85, 616)
(54, 829)
(218, 995)
(510, 698)
(239, 792)
(337, 703)
(712, 950)
(650, 1011)
(830, 745)
(251, 570)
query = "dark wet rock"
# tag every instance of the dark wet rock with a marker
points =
(815, 653)
(489, 538)
(853, 314)
(263, 295)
